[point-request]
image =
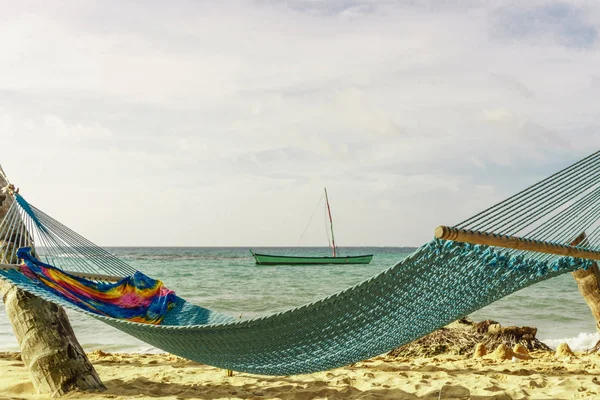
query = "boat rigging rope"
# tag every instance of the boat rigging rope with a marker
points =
(311, 217)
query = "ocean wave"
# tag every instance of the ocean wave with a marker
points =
(581, 342)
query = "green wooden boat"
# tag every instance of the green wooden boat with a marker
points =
(270, 259)
(267, 259)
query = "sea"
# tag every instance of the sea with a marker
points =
(226, 279)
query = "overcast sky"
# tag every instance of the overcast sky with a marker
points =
(219, 123)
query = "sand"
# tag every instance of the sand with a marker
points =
(162, 376)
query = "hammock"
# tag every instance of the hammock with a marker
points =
(440, 282)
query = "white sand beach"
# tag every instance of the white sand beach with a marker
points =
(162, 376)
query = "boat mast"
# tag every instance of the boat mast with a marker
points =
(330, 225)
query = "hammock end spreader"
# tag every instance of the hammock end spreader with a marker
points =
(513, 242)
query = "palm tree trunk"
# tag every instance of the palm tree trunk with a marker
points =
(589, 287)
(588, 282)
(56, 361)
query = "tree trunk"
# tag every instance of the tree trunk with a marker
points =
(56, 361)
(588, 282)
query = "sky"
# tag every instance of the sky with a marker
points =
(192, 123)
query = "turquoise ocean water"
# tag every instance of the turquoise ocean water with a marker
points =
(227, 280)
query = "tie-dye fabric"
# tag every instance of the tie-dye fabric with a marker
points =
(136, 298)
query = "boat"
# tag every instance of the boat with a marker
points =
(270, 259)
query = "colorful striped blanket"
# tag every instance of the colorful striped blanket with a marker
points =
(136, 298)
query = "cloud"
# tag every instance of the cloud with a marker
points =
(559, 21)
(499, 115)
(511, 83)
(77, 132)
(227, 110)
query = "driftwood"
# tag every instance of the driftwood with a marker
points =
(56, 361)
(513, 335)
(462, 336)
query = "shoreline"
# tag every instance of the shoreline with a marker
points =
(164, 376)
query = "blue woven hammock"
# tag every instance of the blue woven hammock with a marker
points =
(437, 284)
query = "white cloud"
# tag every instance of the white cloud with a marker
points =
(6, 125)
(499, 115)
(76, 131)
(232, 108)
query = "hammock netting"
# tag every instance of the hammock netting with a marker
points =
(437, 284)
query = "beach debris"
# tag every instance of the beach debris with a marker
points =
(563, 350)
(100, 353)
(521, 352)
(483, 326)
(457, 338)
(480, 350)
(516, 354)
(513, 336)
(502, 352)
(462, 336)
(517, 334)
